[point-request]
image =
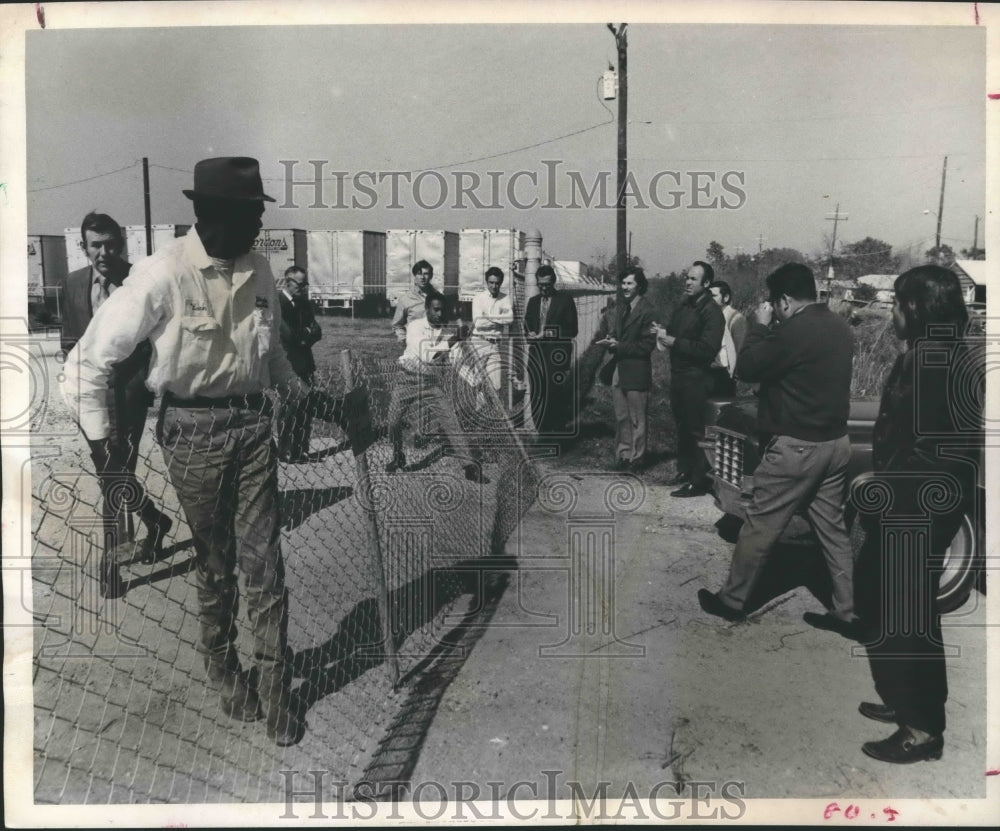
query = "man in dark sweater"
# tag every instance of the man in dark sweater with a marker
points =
(803, 365)
(694, 337)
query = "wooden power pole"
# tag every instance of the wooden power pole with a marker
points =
(621, 41)
(944, 175)
(145, 204)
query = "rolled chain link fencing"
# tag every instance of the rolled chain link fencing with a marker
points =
(389, 577)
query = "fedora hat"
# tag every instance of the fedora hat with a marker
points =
(229, 177)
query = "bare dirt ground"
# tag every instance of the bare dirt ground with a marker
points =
(587, 661)
(600, 665)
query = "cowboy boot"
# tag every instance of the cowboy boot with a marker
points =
(284, 727)
(268, 613)
(238, 700)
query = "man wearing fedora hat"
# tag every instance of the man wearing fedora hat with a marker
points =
(209, 307)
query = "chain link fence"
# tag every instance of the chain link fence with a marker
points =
(390, 574)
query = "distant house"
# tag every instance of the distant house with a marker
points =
(883, 285)
(840, 289)
(972, 276)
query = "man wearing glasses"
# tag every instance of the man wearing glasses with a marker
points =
(299, 331)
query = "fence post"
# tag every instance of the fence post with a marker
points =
(371, 528)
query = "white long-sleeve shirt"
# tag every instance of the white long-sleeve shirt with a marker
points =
(424, 344)
(212, 335)
(491, 314)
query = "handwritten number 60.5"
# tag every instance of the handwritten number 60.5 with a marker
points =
(853, 811)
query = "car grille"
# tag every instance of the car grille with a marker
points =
(729, 457)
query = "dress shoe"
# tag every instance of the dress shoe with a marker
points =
(877, 712)
(151, 548)
(850, 629)
(903, 748)
(398, 463)
(688, 490)
(474, 474)
(284, 726)
(679, 479)
(236, 698)
(710, 602)
(620, 465)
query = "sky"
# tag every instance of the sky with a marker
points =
(776, 124)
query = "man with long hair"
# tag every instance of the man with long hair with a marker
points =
(925, 448)
(625, 332)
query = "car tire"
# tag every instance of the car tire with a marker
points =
(960, 573)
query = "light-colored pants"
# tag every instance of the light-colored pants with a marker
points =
(794, 473)
(630, 422)
(490, 361)
(222, 466)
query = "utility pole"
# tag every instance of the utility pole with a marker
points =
(944, 174)
(760, 243)
(975, 236)
(621, 41)
(836, 217)
(145, 202)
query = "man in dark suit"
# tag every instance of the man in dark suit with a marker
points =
(694, 337)
(626, 332)
(115, 458)
(550, 325)
(299, 331)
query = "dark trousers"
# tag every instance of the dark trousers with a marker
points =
(115, 462)
(898, 575)
(553, 385)
(295, 428)
(688, 393)
(723, 384)
(222, 464)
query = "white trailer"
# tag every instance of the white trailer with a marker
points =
(404, 248)
(346, 268)
(482, 248)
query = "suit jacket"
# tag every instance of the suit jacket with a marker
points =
(75, 307)
(76, 312)
(561, 317)
(636, 343)
(299, 331)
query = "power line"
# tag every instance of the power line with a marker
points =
(784, 119)
(517, 149)
(440, 166)
(88, 179)
(811, 159)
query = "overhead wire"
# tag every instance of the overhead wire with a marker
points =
(87, 179)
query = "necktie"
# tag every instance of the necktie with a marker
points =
(98, 294)
(544, 311)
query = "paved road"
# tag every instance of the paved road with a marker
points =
(627, 681)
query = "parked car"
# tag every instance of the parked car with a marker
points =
(731, 443)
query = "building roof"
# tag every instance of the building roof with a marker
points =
(975, 270)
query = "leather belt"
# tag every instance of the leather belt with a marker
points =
(247, 401)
